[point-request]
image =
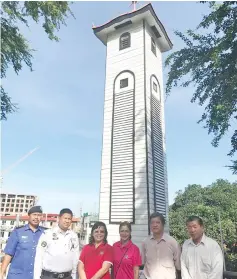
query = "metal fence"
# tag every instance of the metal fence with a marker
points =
(227, 275)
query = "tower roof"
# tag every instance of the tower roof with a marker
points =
(147, 12)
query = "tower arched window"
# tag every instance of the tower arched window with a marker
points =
(124, 41)
(153, 46)
(155, 88)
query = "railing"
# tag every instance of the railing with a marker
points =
(230, 275)
(227, 275)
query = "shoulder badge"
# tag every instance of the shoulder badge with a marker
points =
(73, 243)
(44, 244)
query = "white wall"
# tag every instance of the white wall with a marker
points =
(131, 59)
(154, 67)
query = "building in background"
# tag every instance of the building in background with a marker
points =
(87, 221)
(133, 171)
(12, 204)
(9, 222)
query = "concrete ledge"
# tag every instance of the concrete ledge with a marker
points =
(227, 274)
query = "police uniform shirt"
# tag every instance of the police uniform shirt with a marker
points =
(57, 251)
(21, 245)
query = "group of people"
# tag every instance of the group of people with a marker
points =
(38, 253)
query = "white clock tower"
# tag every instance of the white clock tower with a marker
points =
(133, 171)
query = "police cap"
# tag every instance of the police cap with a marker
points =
(35, 209)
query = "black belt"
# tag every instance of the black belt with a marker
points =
(60, 275)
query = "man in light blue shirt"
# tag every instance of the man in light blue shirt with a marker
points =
(21, 247)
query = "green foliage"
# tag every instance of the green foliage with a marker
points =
(209, 62)
(6, 105)
(231, 262)
(207, 202)
(233, 167)
(15, 49)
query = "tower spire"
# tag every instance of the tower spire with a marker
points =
(134, 5)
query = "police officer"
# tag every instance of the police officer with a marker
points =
(57, 253)
(21, 247)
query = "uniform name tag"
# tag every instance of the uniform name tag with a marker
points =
(55, 237)
(24, 236)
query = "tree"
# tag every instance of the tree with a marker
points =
(15, 49)
(209, 61)
(207, 202)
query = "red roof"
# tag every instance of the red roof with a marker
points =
(50, 217)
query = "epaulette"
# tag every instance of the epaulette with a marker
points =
(44, 228)
(18, 227)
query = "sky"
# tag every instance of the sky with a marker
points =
(61, 111)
